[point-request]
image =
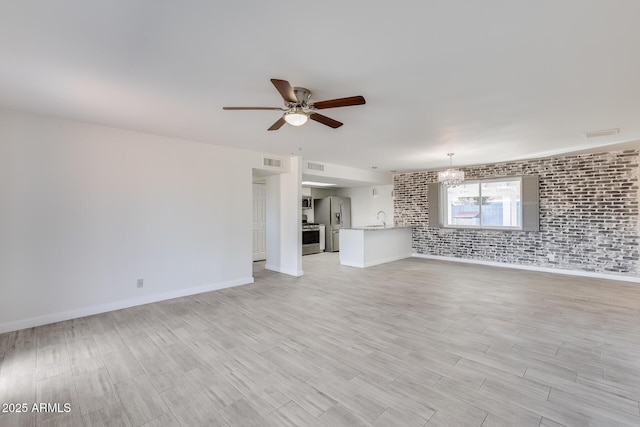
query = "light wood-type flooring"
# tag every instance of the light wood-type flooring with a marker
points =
(410, 343)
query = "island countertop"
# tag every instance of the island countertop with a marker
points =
(367, 246)
(378, 227)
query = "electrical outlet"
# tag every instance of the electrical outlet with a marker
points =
(551, 257)
(140, 283)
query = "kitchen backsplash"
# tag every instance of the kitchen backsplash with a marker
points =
(588, 215)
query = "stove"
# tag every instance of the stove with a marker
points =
(310, 238)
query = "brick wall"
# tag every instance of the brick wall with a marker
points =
(588, 215)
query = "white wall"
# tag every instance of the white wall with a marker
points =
(364, 207)
(346, 173)
(86, 210)
(284, 220)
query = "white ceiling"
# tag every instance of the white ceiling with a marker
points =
(490, 81)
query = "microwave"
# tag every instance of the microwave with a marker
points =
(307, 202)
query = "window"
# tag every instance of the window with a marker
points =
(502, 203)
(494, 203)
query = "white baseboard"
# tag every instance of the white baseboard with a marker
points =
(296, 273)
(377, 262)
(352, 264)
(118, 305)
(533, 268)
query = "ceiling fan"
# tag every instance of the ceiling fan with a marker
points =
(298, 108)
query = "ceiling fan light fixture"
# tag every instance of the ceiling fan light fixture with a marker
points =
(296, 117)
(299, 109)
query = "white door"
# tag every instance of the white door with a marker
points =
(259, 220)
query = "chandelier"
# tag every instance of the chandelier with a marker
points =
(451, 177)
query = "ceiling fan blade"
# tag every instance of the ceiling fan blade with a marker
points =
(278, 124)
(325, 120)
(285, 90)
(340, 102)
(253, 108)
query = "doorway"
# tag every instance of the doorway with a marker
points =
(259, 222)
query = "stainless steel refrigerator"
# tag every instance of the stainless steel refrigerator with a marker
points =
(335, 213)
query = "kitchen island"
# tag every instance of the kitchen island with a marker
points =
(372, 245)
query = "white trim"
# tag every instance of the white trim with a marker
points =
(118, 305)
(376, 262)
(296, 273)
(352, 264)
(533, 268)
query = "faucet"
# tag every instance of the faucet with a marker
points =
(384, 218)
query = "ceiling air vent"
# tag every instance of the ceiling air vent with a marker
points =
(315, 166)
(604, 132)
(273, 163)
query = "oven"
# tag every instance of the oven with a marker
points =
(310, 238)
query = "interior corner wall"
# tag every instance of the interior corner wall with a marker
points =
(284, 220)
(86, 210)
(589, 218)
